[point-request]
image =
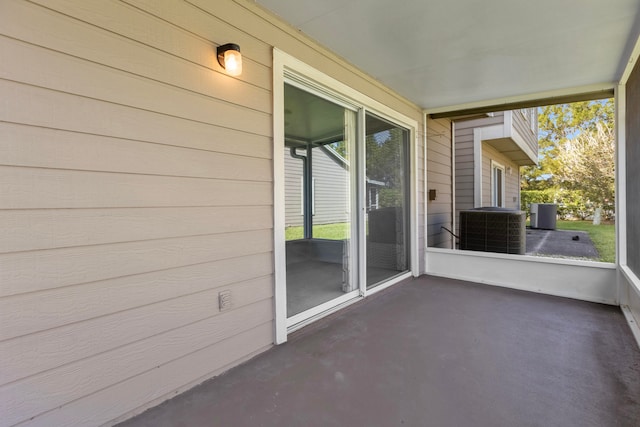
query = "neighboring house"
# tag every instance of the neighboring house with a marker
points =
(330, 172)
(142, 188)
(489, 150)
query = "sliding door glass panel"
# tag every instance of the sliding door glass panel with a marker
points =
(319, 136)
(386, 199)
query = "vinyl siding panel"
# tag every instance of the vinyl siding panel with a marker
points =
(31, 106)
(43, 392)
(33, 188)
(66, 305)
(85, 264)
(294, 216)
(188, 18)
(464, 159)
(528, 131)
(180, 78)
(43, 148)
(133, 179)
(155, 384)
(330, 189)
(70, 75)
(37, 229)
(137, 183)
(439, 175)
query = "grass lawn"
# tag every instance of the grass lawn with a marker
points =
(603, 236)
(337, 231)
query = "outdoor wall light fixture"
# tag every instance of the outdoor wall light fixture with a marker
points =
(230, 58)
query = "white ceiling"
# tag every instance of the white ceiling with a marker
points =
(441, 53)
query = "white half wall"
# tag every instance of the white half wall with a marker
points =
(630, 299)
(583, 280)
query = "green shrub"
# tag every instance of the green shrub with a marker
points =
(535, 196)
(571, 203)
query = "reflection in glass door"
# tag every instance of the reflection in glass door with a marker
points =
(387, 200)
(319, 143)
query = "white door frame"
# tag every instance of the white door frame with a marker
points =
(494, 196)
(287, 65)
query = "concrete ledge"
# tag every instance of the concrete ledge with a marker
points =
(582, 280)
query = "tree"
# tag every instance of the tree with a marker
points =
(556, 125)
(576, 157)
(385, 153)
(384, 162)
(560, 122)
(587, 164)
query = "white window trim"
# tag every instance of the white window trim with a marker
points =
(479, 135)
(286, 65)
(496, 165)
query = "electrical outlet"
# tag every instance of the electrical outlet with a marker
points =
(225, 301)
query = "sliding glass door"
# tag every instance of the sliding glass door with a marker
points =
(346, 193)
(387, 200)
(319, 180)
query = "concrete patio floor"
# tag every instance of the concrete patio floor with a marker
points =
(561, 243)
(432, 352)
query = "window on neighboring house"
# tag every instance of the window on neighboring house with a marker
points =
(497, 184)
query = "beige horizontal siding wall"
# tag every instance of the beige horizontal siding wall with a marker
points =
(136, 184)
(439, 173)
(464, 179)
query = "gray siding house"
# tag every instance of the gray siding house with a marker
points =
(329, 193)
(489, 150)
